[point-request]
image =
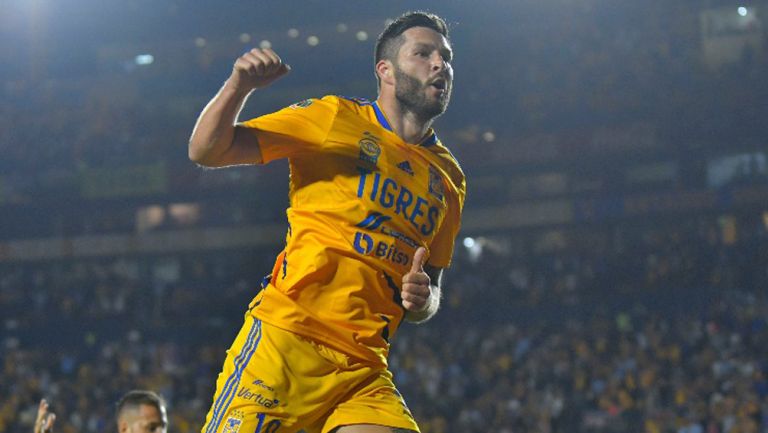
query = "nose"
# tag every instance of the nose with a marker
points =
(438, 62)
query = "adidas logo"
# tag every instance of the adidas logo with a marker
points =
(406, 167)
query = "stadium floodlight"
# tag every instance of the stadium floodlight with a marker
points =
(144, 59)
(474, 248)
(312, 41)
(743, 11)
(362, 36)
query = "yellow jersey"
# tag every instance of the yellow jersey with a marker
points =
(361, 202)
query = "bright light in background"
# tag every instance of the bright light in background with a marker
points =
(265, 44)
(474, 248)
(489, 136)
(200, 42)
(312, 41)
(293, 33)
(245, 38)
(743, 11)
(341, 28)
(361, 36)
(144, 59)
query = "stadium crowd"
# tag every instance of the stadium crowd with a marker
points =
(601, 66)
(664, 331)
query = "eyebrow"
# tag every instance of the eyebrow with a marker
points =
(443, 51)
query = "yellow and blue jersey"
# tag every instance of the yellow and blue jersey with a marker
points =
(361, 202)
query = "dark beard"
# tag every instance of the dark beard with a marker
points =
(411, 94)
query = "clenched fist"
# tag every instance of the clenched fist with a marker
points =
(416, 291)
(256, 69)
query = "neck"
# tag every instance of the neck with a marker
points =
(404, 123)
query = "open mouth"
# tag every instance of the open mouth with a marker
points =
(439, 84)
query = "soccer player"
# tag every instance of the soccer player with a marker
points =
(375, 206)
(138, 411)
(141, 411)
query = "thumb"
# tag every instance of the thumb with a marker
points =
(419, 258)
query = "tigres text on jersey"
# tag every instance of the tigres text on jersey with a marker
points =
(361, 202)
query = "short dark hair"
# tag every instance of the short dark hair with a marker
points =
(134, 399)
(390, 40)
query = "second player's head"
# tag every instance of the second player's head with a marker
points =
(413, 56)
(141, 411)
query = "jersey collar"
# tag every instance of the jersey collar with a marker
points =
(381, 117)
(429, 140)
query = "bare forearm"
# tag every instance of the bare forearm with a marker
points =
(215, 128)
(431, 309)
(216, 141)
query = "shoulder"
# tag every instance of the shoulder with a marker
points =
(313, 109)
(328, 101)
(354, 100)
(336, 100)
(336, 103)
(354, 104)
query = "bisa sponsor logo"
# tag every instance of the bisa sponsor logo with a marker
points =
(364, 244)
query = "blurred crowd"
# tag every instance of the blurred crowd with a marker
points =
(572, 66)
(661, 329)
(636, 370)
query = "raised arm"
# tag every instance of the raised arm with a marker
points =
(45, 419)
(216, 141)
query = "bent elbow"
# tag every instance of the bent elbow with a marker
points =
(194, 154)
(198, 155)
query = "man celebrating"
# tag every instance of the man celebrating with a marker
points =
(375, 206)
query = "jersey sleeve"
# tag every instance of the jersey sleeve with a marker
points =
(298, 129)
(441, 248)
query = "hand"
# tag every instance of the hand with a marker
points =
(45, 419)
(416, 292)
(257, 69)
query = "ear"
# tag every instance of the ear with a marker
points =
(385, 71)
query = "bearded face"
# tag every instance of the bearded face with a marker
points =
(425, 99)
